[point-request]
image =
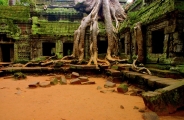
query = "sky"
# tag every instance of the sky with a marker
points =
(128, 1)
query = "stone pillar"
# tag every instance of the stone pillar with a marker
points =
(149, 43)
(12, 53)
(166, 45)
(127, 43)
(59, 48)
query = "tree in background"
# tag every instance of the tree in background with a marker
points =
(103, 10)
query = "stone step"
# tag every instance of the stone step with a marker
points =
(86, 67)
(165, 100)
(165, 73)
(112, 72)
(124, 67)
(148, 82)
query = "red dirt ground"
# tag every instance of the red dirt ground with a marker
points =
(68, 102)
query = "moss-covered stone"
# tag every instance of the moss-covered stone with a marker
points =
(147, 14)
(166, 100)
(19, 75)
(54, 81)
(122, 88)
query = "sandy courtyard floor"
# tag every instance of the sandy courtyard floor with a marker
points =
(68, 102)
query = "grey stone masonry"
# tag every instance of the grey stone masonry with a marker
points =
(166, 100)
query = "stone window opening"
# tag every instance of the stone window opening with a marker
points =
(158, 41)
(102, 46)
(67, 49)
(7, 52)
(53, 18)
(48, 49)
(122, 45)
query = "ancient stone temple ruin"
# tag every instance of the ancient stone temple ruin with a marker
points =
(152, 33)
(162, 30)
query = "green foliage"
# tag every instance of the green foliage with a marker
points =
(54, 28)
(19, 13)
(147, 14)
(19, 75)
(179, 5)
(64, 11)
(59, 56)
(4, 2)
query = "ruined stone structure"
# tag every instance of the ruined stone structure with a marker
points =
(47, 27)
(162, 31)
(34, 30)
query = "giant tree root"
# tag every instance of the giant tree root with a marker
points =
(140, 69)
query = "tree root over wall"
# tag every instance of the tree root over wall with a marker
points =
(107, 11)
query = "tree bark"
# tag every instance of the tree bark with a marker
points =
(139, 41)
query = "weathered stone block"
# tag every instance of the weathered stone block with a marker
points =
(44, 84)
(177, 60)
(75, 75)
(109, 84)
(54, 81)
(114, 73)
(166, 100)
(63, 80)
(75, 81)
(122, 88)
(150, 116)
(34, 84)
(88, 82)
(83, 79)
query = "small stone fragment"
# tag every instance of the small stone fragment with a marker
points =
(98, 88)
(68, 76)
(141, 110)
(83, 79)
(75, 75)
(133, 94)
(136, 92)
(75, 81)
(88, 82)
(150, 116)
(34, 84)
(109, 84)
(122, 88)
(63, 80)
(102, 91)
(135, 107)
(111, 90)
(44, 84)
(54, 81)
(58, 77)
(121, 106)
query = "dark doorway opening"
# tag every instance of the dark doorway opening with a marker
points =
(102, 47)
(67, 48)
(122, 45)
(7, 52)
(53, 18)
(157, 41)
(4, 38)
(48, 49)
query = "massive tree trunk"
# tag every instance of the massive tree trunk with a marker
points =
(139, 42)
(106, 10)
